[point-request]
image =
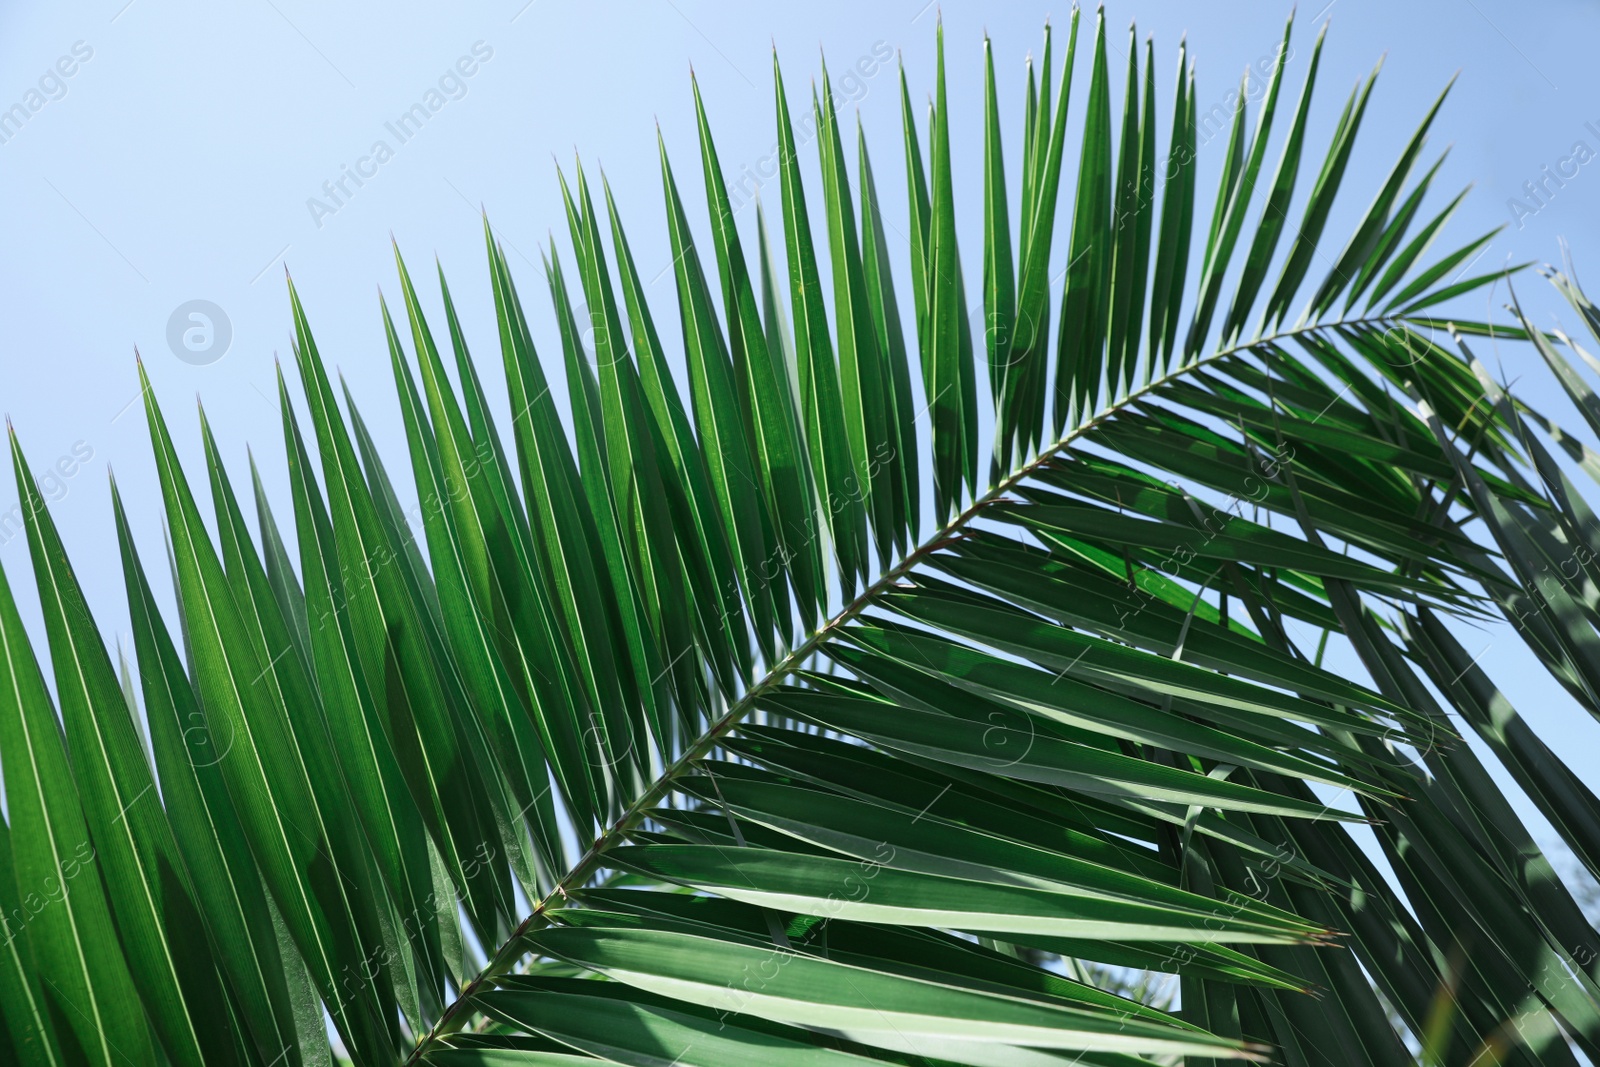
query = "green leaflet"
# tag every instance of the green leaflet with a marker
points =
(279, 810)
(763, 372)
(864, 377)
(625, 696)
(839, 491)
(718, 415)
(85, 984)
(163, 937)
(1083, 312)
(1274, 212)
(999, 284)
(550, 482)
(29, 1036)
(640, 510)
(1234, 198)
(818, 885)
(390, 819)
(947, 368)
(505, 583)
(813, 992)
(624, 1032)
(703, 548)
(914, 841)
(227, 884)
(1012, 745)
(434, 739)
(1042, 183)
(902, 452)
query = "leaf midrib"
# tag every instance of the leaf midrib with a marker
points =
(506, 955)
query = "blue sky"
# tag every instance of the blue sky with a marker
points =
(185, 152)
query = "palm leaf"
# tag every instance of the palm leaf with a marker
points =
(730, 729)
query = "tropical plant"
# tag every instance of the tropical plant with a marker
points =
(763, 728)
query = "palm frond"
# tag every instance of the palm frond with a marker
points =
(730, 728)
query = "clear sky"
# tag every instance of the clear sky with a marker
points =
(177, 152)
